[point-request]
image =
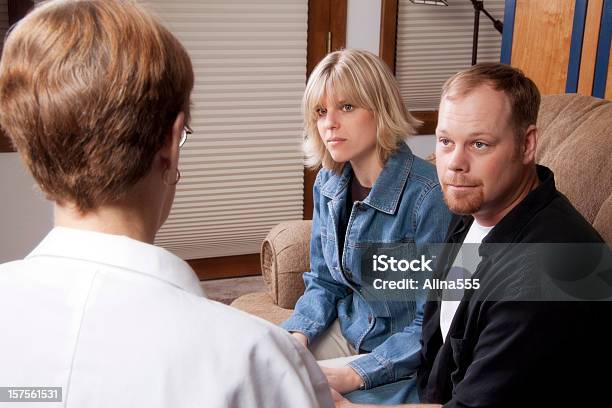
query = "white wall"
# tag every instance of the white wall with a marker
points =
(422, 145)
(25, 216)
(363, 25)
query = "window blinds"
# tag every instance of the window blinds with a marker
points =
(242, 169)
(435, 42)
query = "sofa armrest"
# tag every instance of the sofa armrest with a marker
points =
(284, 258)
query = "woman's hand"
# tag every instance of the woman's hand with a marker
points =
(301, 338)
(342, 379)
(340, 401)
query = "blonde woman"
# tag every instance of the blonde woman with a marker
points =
(95, 96)
(371, 190)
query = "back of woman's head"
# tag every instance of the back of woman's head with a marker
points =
(363, 79)
(89, 89)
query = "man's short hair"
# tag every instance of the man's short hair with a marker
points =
(522, 92)
(364, 80)
(89, 89)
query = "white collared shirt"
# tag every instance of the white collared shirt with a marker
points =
(117, 322)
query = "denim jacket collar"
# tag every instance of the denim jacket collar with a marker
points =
(387, 189)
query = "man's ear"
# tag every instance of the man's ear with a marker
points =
(530, 144)
(169, 153)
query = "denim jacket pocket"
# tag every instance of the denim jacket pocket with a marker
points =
(379, 308)
(328, 245)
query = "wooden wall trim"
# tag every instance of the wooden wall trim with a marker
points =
(429, 119)
(589, 47)
(603, 62)
(337, 17)
(323, 16)
(226, 266)
(309, 179)
(5, 144)
(508, 33)
(17, 9)
(318, 26)
(608, 92)
(576, 43)
(546, 59)
(388, 32)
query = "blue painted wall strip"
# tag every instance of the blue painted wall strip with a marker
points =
(603, 51)
(573, 66)
(506, 47)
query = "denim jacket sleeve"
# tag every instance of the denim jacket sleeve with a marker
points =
(316, 308)
(399, 355)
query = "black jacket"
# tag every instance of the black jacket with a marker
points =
(504, 351)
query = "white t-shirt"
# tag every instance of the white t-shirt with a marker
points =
(116, 322)
(466, 261)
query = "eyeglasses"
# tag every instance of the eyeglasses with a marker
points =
(187, 131)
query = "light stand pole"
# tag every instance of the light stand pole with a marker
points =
(499, 26)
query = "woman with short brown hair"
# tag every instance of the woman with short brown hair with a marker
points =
(95, 96)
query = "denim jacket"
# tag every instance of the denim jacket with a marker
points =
(404, 206)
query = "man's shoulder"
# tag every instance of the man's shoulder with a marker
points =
(556, 252)
(559, 221)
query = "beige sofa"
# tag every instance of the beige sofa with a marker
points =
(575, 141)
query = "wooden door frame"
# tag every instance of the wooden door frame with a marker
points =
(324, 16)
(388, 32)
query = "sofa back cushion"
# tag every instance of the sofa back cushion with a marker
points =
(575, 142)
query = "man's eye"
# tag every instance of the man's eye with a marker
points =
(347, 107)
(444, 141)
(321, 112)
(480, 145)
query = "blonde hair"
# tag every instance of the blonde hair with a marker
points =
(89, 90)
(364, 80)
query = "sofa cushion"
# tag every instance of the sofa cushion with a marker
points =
(575, 142)
(261, 304)
(284, 258)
